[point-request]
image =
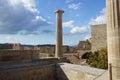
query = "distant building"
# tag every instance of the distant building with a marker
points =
(15, 46)
(83, 47)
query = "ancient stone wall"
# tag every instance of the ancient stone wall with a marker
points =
(40, 69)
(84, 45)
(49, 49)
(18, 55)
(15, 46)
(31, 72)
(98, 37)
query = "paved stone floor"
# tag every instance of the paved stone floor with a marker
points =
(103, 76)
(99, 74)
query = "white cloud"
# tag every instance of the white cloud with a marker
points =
(14, 2)
(85, 29)
(18, 16)
(74, 6)
(38, 18)
(71, 43)
(101, 19)
(78, 30)
(8, 38)
(87, 37)
(75, 29)
(103, 11)
(28, 4)
(11, 38)
(68, 24)
(68, 1)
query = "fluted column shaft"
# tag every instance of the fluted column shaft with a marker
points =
(113, 36)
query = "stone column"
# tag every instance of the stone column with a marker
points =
(58, 52)
(113, 37)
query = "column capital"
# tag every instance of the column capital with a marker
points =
(59, 11)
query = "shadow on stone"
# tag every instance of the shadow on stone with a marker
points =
(60, 74)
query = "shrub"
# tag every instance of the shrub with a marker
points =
(98, 59)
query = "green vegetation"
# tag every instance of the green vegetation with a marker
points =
(98, 59)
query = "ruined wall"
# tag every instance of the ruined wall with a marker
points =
(49, 49)
(98, 37)
(15, 46)
(83, 47)
(72, 50)
(18, 55)
(31, 72)
(42, 69)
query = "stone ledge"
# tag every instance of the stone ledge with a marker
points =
(66, 71)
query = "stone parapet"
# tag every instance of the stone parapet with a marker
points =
(18, 55)
(28, 71)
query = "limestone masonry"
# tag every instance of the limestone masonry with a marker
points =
(98, 37)
(113, 37)
(83, 47)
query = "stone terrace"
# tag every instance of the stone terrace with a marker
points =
(68, 71)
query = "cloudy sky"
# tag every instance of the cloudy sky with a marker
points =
(33, 21)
